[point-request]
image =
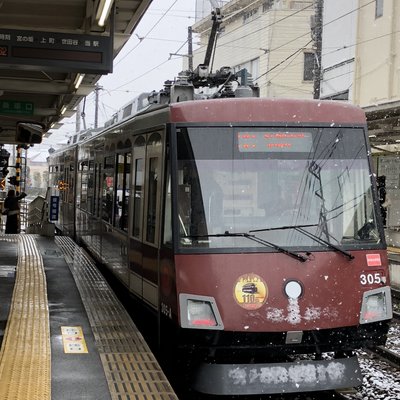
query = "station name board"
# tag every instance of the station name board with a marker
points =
(56, 51)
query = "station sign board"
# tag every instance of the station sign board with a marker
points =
(11, 107)
(56, 51)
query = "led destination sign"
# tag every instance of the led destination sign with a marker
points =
(275, 141)
(54, 50)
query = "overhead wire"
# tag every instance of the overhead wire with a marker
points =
(299, 37)
(346, 47)
(145, 36)
(202, 50)
(152, 69)
(295, 53)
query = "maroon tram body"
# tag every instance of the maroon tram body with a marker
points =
(250, 226)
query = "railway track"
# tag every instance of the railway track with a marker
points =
(386, 354)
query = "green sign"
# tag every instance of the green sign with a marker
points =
(12, 107)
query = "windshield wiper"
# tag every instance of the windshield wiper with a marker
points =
(300, 229)
(332, 246)
(254, 239)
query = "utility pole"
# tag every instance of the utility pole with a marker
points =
(78, 119)
(190, 49)
(317, 36)
(96, 110)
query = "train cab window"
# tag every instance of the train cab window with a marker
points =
(108, 189)
(247, 182)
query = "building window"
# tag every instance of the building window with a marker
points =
(267, 5)
(252, 66)
(298, 5)
(250, 15)
(308, 74)
(378, 8)
(337, 96)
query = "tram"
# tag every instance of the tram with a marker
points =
(249, 226)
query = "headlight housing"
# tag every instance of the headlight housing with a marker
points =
(376, 305)
(199, 312)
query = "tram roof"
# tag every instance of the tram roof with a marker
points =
(267, 109)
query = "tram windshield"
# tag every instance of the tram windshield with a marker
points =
(268, 182)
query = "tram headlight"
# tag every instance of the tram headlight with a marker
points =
(376, 305)
(199, 312)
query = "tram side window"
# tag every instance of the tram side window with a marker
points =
(84, 184)
(70, 183)
(108, 189)
(138, 196)
(119, 189)
(98, 189)
(90, 187)
(152, 200)
(153, 186)
(122, 191)
(168, 210)
(126, 192)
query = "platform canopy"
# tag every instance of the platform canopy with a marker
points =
(52, 53)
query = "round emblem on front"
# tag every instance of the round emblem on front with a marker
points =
(293, 290)
(250, 291)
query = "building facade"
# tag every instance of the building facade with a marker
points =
(360, 63)
(339, 38)
(271, 38)
(377, 53)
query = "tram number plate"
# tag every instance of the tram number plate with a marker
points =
(371, 278)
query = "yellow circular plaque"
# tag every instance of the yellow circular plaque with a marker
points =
(250, 291)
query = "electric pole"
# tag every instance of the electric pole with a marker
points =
(190, 49)
(78, 119)
(96, 111)
(317, 36)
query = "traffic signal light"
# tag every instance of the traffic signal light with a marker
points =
(12, 180)
(4, 156)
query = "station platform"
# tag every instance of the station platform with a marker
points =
(63, 332)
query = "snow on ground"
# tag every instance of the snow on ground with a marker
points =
(381, 381)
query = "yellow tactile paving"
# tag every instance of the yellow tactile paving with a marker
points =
(131, 369)
(395, 250)
(25, 356)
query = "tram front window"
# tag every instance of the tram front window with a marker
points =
(232, 181)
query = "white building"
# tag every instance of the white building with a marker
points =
(339, 38)
(271, 38)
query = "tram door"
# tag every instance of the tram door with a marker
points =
(146, 216)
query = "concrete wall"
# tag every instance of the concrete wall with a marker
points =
(377, 54)
(338, 47)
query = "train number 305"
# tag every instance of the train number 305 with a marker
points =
(370, 279)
